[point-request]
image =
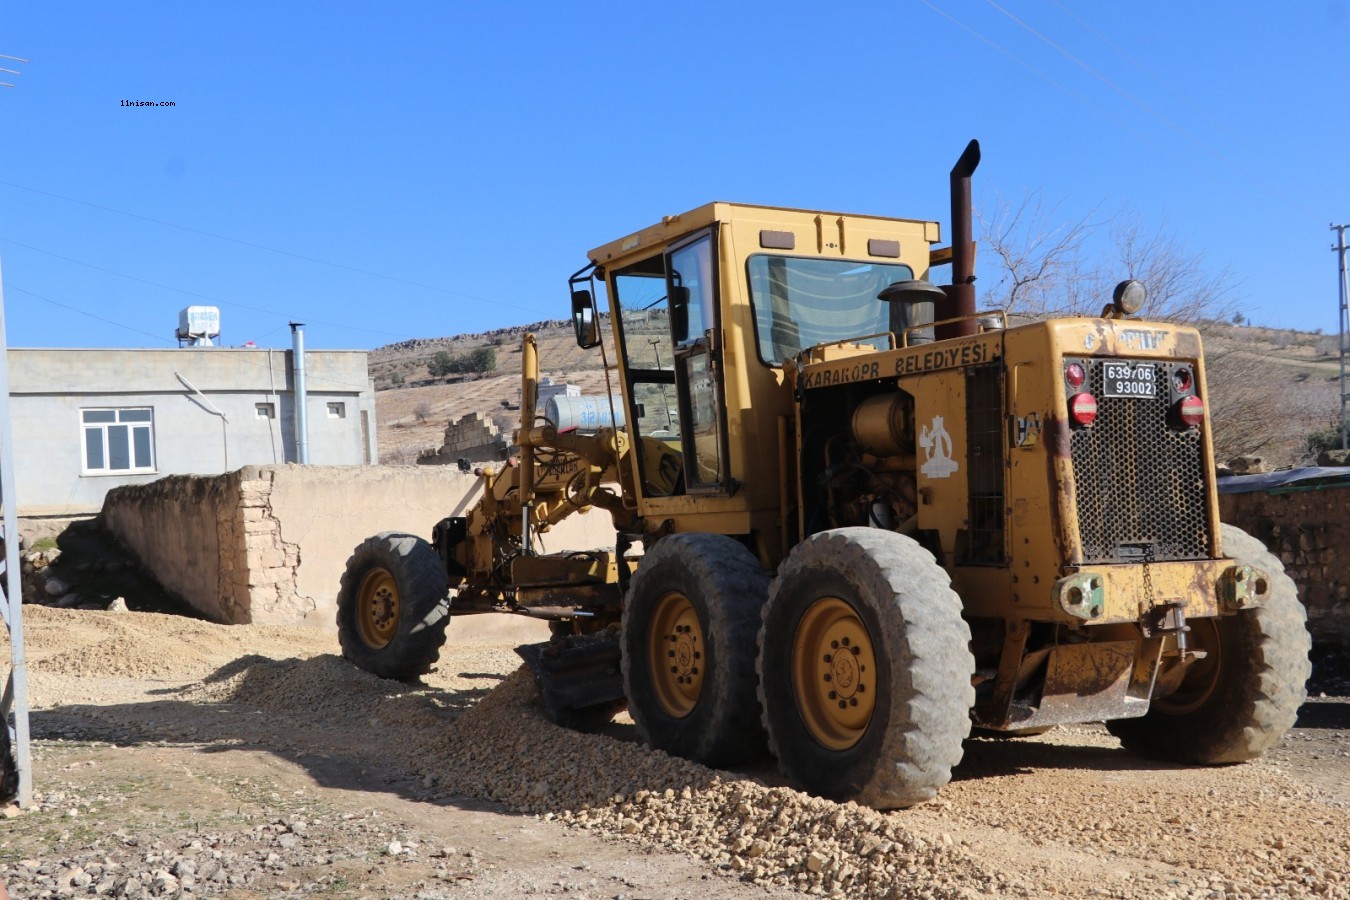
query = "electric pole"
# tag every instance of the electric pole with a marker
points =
(1340, 249)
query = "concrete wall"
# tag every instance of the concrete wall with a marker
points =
(49, 388)
(268, 544)
(1310, 531)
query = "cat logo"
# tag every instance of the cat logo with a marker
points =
(1028, 430)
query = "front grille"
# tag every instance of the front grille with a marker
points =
(1139, 483)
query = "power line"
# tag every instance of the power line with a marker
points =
(278, 251)
(1028, 66)
(199, 296)
(1146, 70)
(18, 59)
(8, 285)
(1149, 110)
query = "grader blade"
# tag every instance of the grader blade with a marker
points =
(579, 678)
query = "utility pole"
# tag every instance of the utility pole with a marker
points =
(1340, 249)
(15, 697)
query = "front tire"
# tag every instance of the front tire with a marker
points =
(1240, 700)
(865, 669)
(688, 648)
(393, 606)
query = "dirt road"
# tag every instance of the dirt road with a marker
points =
(174, 757)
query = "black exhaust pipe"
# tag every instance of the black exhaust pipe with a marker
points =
(961, 292)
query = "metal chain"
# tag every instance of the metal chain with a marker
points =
(1148, 577)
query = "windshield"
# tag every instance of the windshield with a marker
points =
(799, 302)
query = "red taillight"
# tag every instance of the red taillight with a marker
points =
(1083, 409)
(1183, 381)
(1074, 375)
(1191, 411)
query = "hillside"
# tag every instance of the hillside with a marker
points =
(413, 415)
(1269, 387)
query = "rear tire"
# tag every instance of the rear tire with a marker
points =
(688, 648)
(1243, 703)
(393, 606)
(884, 599)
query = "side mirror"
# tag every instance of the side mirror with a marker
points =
(584, 320)
(679, 313)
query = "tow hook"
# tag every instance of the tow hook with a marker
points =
(1243, 587)
(1081, 595)
(1170, 618)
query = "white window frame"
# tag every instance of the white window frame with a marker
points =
(337, 409)
(102, 428)
(265, 411)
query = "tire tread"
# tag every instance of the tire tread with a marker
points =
(932, 668)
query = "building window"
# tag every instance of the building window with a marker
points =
(118, 440)
(337, 410)
(266, 410)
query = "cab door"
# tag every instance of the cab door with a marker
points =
(692, 278)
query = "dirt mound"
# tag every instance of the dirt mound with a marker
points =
(90, 644)
(1066, 813)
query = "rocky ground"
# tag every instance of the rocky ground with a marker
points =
(175, 757)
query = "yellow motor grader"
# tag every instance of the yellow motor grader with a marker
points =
(855, 517)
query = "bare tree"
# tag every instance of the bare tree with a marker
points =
(1182, 286)
(1038, 260)
(1046, 265)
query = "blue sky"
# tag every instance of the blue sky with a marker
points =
(428, 168)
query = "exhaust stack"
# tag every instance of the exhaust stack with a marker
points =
(301, 397)
(961, 292)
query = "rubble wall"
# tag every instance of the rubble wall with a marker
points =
(268, 544)
(474, 437)
(1310, 531)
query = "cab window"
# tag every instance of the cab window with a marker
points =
(799, 302)
(649, 361)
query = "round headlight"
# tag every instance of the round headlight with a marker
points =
(1130, 297)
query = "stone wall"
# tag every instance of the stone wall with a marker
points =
(474, 437)
(1310, 531)
(268, 544)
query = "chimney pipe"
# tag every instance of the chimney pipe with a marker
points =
(961, 292)
(301, 399)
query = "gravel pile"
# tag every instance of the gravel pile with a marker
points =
(503, 749)
(1066, 813)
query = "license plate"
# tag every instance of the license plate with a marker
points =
(1125, 380)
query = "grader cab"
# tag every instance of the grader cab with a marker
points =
(870, 516)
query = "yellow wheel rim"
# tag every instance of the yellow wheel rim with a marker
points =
(1199, 683)
(377, 608)
(676, 654)
(834, 673)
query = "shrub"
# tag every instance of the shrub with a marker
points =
(1328, 438)
(484, 359)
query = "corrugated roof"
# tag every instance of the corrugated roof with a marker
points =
(1308, 478)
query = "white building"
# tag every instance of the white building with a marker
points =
(88, 420)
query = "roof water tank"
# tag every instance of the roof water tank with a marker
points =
(584, 413)
(199, 322)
